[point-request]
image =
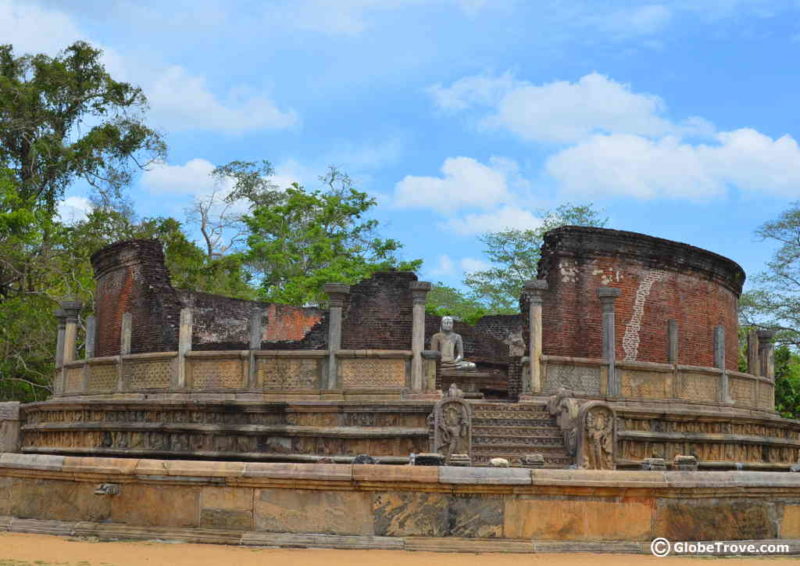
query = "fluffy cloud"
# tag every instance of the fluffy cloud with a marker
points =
(448, 267)
(74, 209)
(464, 183)
(192, 178)
(561, 111)
(628, 165)
(179, 99)
(505, 218)
(182, 101)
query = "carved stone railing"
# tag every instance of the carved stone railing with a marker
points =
(657, 381)
(270, 372)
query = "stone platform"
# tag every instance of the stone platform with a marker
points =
(400, 507)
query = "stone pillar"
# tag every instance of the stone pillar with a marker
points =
(753, 365)
(719, 362)
(337, 292)
(608, 296)
(534, 289)
(91, 332)
(419, 293)
(766, 353)
(672, 341)
(71, 311)
(184, 344)
(256, 328)
(126, 334)
(61, 316)
(9, 427)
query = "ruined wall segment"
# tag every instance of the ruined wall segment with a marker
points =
(131, 277)
(659, 280)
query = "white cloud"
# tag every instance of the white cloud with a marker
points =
(32, 29)
(465, 182)
(179, 100)
(182, 101)
(628, 165)
(636, 21)
(192, 178)
(445, 266)
(505, 218)
(561, 111)
(74, 209)
(470, 265)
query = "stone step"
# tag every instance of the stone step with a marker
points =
(529, 423)
(517, 431)
(520, 447)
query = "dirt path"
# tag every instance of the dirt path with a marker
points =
(45, 550)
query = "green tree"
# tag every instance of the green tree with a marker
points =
(515, 257)
(62, 119)
(445, 300)
(304, 239)
(774, 301)
(787, 382)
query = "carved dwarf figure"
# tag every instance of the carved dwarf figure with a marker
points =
(451, 346)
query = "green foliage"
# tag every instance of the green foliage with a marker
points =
(309, 238)
(774, 302)
(515, 255)
(787, 382)
(63, 118)
(444, 300)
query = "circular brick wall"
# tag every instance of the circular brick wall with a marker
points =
(131, 277)
(660, 280)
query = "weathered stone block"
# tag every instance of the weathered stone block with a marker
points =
(307, 511)
(475, 516)
(56, 500)
(410, 514)
(560, 519)
(715, 520)
(167, 506)
(226, 519)
(514, 476)
(790, 526)
(399, 474)
(231, 498)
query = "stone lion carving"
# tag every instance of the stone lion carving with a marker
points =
(452, 424)
(565, 408)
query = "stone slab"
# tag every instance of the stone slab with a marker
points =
(790, 526)
(324, 472)
(308, 511)
(475, 516)
(146, 505)
(400, 474)
(709, 519)
(408, 513)
(32, 461)
(481, 476)
(578, 519)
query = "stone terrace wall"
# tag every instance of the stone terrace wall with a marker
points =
(659, 279)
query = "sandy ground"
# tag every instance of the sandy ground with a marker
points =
(42, 550)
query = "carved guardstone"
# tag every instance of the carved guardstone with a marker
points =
(565, 408)
(452, 425)
(597, 437)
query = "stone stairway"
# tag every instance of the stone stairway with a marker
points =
(512, 431)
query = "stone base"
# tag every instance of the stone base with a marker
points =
(402, 507)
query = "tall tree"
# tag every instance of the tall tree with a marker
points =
(300, 240)
(515, 256)
(774, 301)
(62, 119)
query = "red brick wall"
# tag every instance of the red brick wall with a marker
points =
(377, 313)
(131, 277)
(698, 289)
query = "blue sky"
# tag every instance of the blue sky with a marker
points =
(678, 118)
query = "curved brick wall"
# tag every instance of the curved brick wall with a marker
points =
(131, 277)
(659, 279)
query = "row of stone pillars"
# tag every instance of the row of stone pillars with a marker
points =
(760, 347)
